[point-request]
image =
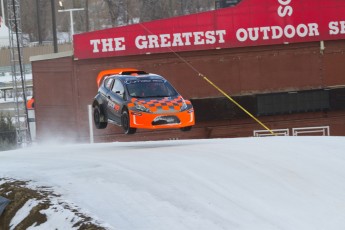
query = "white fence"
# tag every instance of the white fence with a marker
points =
(277, 132)
(317, 130)
(324, 130)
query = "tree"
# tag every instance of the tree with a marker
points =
(7, 133)
(102, 14)
(117, 11)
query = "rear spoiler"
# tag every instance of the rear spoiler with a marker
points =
(109, 72)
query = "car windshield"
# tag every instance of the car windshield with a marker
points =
(150, 88)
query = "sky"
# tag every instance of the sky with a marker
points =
(249, 183)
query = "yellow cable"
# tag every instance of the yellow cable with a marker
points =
(235, 102)
(210, 82)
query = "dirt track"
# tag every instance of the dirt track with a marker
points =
(19, 194)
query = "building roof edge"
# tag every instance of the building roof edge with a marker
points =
(51, 56)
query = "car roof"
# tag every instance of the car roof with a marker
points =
(146, 76)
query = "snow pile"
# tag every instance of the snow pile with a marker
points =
(23, 213)
(246, 183)
(33, 207)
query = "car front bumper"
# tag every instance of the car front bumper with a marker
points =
(143, 120)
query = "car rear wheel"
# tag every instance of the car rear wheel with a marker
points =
(125, 122)
(187, 128)
(98, 118)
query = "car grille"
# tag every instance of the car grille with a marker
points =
(164, 120)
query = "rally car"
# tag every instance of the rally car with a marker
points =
(135, 100)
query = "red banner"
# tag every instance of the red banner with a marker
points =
(250, 23)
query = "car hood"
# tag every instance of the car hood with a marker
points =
(158, 105)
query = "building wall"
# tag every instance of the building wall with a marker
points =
(55, 99)
(64, 87)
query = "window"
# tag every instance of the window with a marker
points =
(283, 103)
(108, 83)
(208, 109)
(337, 98)
(221, 108)
(150, 88)
(118, 88)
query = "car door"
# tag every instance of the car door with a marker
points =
(116, 100)
(103, 92)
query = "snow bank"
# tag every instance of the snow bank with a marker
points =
(246, 183)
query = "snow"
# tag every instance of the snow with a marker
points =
(23, 212)
(244, 183)
(7, 78)
(65, 220)
(11, 100)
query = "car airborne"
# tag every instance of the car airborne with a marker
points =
(138, 100)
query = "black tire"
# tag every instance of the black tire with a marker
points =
(186, 129)
(99, 118)
(125, 122)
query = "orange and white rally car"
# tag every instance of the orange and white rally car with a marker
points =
(135, 100)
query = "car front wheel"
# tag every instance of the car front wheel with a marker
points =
(125, 122)
(98, 118)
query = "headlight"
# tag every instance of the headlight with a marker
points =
(142, 108)
(183, 107)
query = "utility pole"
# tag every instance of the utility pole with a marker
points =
(39, 29)
(3, 11)
(87, 15)
(182, 7)
(54, 26)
